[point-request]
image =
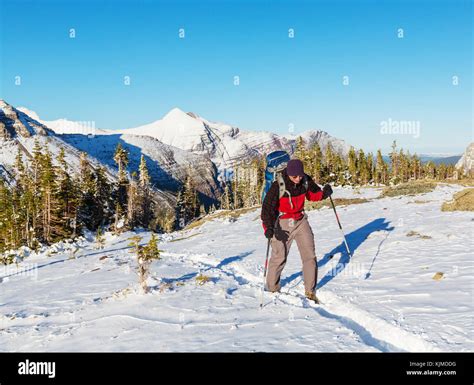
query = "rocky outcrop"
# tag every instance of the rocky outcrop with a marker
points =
(466, 163)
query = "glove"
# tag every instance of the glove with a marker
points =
(269, 233)
(327, 191)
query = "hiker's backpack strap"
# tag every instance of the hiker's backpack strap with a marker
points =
(305, 183)
(282, 187)
(281, 184)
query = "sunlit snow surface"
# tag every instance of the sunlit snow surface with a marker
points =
(384, 299)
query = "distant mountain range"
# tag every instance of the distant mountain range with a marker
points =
(175, 145)
(435, 159)
(438, 160)
(223, 143)
(178, 144)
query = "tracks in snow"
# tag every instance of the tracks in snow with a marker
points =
(372, 330)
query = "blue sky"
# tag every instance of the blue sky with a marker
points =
(284, 81)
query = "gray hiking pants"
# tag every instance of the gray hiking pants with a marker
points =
(285, 233)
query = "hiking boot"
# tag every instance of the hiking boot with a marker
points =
(311, 295)
(273, 291)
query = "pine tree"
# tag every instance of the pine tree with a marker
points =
(403, 166)
(316, 164)
(180, 210)
(120, 194)
(66, 198)
(164, 220)
(352, 165)
(225, 199)
(300, 149)
(36, 190)
(152, 252)
(370, 167)
(21, 197)
(260, 178)
(362, 169)
(144, 177)
(87, 207)
(132, 202)
(430, 170)
(144, 195)
(137, 250)
(190, 199)
(5, 216)
(442, 171)
(340, 170)
(145, 256)
(394, 162)
(379, 169)
(121, 158)
(416, 167)
(46, 182)
(102, 196)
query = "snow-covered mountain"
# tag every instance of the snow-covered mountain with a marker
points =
(191, 132)
(14, 123)
(466, 163)
(66, 126)
(323, 139)
(184, 130)
(179, 143)
(182, 142)
(225, 144)
(19, 131)
(168, 165)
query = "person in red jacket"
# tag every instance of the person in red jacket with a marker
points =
(284, 220)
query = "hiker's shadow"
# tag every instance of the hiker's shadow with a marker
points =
(354, 240)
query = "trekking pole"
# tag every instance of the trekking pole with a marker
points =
(265, 273)
(340, 227)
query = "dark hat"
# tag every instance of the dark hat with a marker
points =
(295, 168)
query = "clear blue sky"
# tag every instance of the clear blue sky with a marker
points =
(283, 81)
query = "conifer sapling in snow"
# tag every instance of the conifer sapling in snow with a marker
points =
(145, 255)
(99, 238)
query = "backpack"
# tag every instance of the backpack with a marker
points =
(276, 163)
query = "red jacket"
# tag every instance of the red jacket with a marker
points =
(273, 205)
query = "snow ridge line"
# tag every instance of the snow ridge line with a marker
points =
(374, 331)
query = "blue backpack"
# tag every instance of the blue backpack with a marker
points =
(276, 163)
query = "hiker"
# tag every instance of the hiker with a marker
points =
(284, 220)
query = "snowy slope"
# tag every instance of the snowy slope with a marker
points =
(383, 300)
